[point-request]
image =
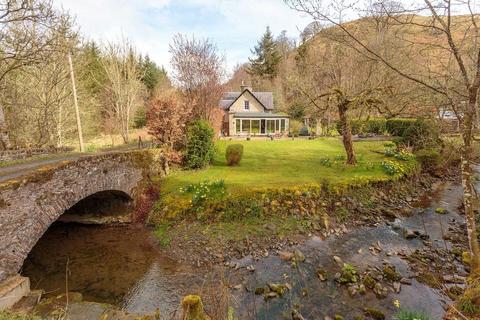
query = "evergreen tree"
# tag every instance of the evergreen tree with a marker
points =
(153, 76)
(267, 58)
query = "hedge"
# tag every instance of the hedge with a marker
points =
(376, 126)
(398, 126)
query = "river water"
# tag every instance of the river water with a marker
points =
(125, 267)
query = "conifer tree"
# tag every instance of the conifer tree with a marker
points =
(267, 58)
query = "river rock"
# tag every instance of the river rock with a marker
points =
(380, 291)
(441, 211)
(406, 281)
(298, 255)
(397, 287)
(296, 315)
(285, 255)
(338, 260)
(322, 274)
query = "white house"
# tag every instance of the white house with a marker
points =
(251, 113)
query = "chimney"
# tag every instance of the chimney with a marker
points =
(244, 86)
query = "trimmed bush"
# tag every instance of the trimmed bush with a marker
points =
(200, 148)
(398, 126)
(376, 126)
(234, 154)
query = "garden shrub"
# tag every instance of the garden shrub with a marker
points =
(200, 148)
(422, 134)
(303, 131)
(376, 126)
(234, 154)
(295, 127)
(398, 126)
(428, 158)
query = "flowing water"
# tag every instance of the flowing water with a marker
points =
(125, 267)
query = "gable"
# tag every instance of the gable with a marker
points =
(254, 104)
(264, 98)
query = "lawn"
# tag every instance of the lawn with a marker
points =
(286, 163)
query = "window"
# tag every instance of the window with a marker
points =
(270, 126)
(245, 126)
(282, 125)
(255, 126)
(247, 105)
(238, 128)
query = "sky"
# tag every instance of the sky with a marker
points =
(234, 25)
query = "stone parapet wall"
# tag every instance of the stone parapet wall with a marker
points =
(21, 154)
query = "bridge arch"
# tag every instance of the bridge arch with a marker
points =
(29, 207)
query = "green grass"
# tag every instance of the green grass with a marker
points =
(411, 315)
(287, 163)
(6, 315)
(161, 232)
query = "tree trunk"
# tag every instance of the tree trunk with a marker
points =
(4, 139)
(469, 194)
(347, 134)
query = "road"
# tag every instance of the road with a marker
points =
(17, 170)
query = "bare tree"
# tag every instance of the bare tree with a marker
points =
(28, 31)
(445, 60)
(198, 70)
(123, 87)
(332, 76)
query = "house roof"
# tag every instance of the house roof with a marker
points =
(265, 98)
(260, 115)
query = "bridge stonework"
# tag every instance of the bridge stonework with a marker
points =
(28, 207)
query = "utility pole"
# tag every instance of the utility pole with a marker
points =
(75, 100)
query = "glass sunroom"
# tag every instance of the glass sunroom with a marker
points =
(261, 124)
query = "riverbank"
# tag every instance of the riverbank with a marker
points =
(402, 251)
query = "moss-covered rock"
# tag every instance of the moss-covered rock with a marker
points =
(368, 281)
(192, 306)
(390, 273)
(374, 313)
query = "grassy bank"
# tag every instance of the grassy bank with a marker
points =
(287, 163)
(285, 177)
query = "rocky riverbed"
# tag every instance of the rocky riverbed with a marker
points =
(403, 254)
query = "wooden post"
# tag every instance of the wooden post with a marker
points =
(75, 101)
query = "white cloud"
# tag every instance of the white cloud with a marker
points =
(235, 25)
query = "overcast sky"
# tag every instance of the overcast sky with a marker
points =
(234, 25)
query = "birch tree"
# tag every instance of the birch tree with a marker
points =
(123, 87)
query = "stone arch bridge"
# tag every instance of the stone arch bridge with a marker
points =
(29, 205)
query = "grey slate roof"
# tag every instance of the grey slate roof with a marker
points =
(260, 115)
(265, 98)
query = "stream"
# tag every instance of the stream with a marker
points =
(124, 266)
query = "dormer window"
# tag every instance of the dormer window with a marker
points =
(247, 105)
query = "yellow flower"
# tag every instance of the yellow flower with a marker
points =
(396, 303)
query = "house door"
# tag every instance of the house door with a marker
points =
(263, 127)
